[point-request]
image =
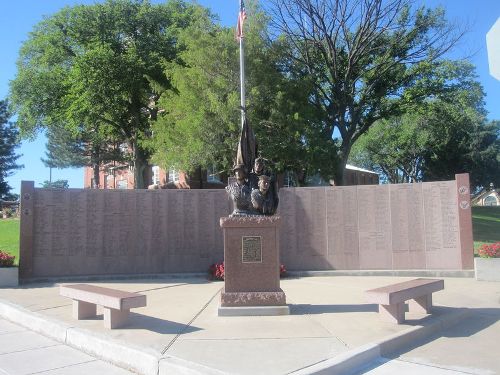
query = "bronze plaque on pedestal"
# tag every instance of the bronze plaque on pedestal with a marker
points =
(251, 249)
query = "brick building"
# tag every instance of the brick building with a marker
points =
(118, 176)
(358, 176)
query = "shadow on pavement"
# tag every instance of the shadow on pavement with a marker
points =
(162, 326)
(304, 309)
(477, 320)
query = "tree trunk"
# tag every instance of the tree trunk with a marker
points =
(95, 169)
(345, 149)
(140, 164)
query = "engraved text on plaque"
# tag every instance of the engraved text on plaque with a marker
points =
(251, 249)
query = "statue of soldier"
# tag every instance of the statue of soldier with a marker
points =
(240, 192)
(262, 199)
(259, 170)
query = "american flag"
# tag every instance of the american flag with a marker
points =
(241, 18)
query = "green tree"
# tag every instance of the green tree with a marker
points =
(367, 60)
(8, 143)
(200, 124)
(68, 150)
(395, 148)
(98, 71)
(445, 135)
(63, 150)
(58, 184)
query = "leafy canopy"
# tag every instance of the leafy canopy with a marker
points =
(367, 60)
(200, 122)
(97, 71)
(443, 136)
(8, 143)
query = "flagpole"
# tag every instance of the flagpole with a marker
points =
(242, 74)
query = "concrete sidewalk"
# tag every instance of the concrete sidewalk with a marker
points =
(25, 352)
(330, 330)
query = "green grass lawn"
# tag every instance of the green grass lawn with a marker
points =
(9, 237)
(485, 225)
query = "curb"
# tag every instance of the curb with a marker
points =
(149, 362)
(343, 363)
(304, 273)
(100, 278)
(357, 358)
(129, 357)
(393, 273)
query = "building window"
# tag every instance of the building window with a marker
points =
(110, 181)
(212, 175)
(156, 175)
(490, 201)
(121, 184)
(173, 175)
(289, 179)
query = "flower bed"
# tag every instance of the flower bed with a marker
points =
(216, 271)
(9, 275)
(489, 250)
(487, 266)
(6, 260)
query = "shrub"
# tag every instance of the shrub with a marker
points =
(216, 271)
(8, 212)
(489, 250)
(6, 260)
(282, 271)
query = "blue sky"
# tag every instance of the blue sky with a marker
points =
(18, 17)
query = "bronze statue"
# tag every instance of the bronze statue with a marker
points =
(260, 170)
(262, 198)
(240, 192)
(255, 193)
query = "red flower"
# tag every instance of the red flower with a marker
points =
(282, 270)
(489, 250)
(216, 271)
(6, 260)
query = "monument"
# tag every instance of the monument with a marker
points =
(251, 231)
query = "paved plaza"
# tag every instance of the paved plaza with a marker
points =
(330, 330)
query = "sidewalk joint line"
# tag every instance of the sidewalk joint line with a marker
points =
(432, 365)
(264, 338)
(160, 288)
(52, 307)
(70, 365)
(190, 322)
(15, 332)
(35, 348)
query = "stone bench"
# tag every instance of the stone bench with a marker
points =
(391, 298)
(116, 303)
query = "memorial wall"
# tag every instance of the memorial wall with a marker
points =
(102, 232)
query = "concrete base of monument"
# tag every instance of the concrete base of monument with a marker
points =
(237, 299)
(253, 303)
(254, 310)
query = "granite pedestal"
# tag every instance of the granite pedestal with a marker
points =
(252, 267)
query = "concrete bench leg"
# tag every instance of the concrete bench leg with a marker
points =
(114, 318)
(392, 313)
(83, 310)
(421, 304)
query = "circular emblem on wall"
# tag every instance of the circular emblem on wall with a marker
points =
(464, 205)
(463, 190)
(27, 196)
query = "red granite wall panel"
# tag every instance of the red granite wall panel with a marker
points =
(75, 232)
